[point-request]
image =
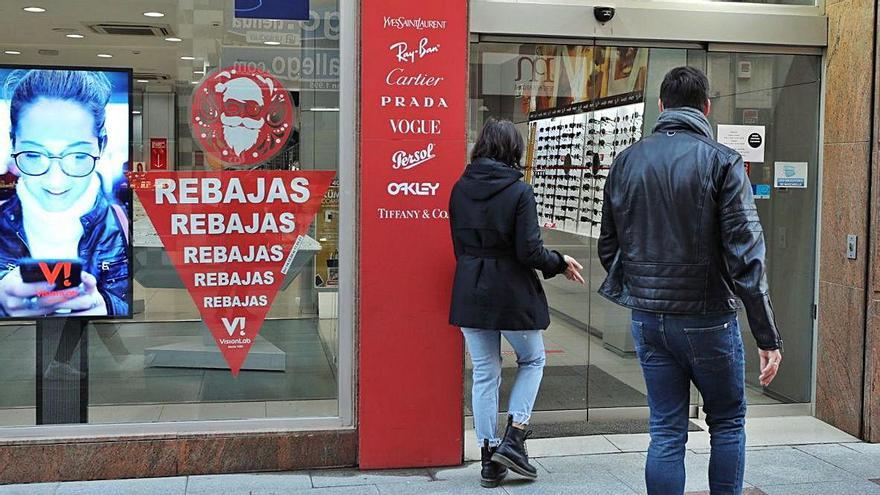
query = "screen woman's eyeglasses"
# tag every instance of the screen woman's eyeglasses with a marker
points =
(35, 163)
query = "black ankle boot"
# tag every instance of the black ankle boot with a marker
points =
(492, 472)
(512, 452)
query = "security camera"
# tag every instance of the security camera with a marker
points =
(603, 14)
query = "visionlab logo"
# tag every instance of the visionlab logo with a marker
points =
(236, 325)
(61, 276)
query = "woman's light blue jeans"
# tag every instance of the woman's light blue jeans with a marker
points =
(484, 347)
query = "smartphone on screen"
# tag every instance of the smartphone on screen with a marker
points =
(65, 274)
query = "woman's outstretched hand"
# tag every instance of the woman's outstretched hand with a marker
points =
(573, 271)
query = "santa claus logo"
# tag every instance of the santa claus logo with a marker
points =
(241, 116)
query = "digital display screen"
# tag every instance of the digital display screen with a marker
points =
(65, 204)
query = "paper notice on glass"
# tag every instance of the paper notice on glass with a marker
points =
(791, 175)
(748, 140)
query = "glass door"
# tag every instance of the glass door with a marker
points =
(577, 107)
(627, 112)
(546, 90)
(778, 95)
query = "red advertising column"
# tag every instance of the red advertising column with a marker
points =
(413, 147)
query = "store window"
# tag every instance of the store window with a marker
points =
(221, 166)
(577, 106)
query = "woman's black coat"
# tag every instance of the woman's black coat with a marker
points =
(498, 247)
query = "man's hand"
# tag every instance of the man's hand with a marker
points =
(769, 365)
(573, 271)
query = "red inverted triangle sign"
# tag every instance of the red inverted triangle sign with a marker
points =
(231, 237)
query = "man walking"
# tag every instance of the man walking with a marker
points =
(680, 239)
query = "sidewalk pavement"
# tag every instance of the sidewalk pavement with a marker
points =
(806, 468)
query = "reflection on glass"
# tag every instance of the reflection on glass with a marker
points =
(558, 95)
(780, 92)
(164, 365)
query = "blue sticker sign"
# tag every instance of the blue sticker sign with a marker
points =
(762, 191)
(791, 175)
(292, 10)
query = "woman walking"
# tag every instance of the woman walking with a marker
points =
(496, 292)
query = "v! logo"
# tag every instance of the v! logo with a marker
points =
(51, 275)
(231, 326)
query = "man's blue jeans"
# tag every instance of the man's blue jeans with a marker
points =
(675, 350)
(484, 347)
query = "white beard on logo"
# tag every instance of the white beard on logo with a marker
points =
(240, 138)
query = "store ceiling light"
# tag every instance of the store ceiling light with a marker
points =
(12, 52)
(105, 55)
(154, 14)
(272, 43)
(187, 58)
(144, 81)
(323, 109)
(34, 10)
(135, 112)
(75, 36)
(199, 72)
(173, 39)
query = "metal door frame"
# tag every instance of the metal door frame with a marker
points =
(809, 47)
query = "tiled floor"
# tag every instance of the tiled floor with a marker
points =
(848, 468)
(760, 432)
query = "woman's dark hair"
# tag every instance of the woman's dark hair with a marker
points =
(500, 141)
(684, 87)
(91, 89)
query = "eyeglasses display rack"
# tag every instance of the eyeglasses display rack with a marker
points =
(570, 155)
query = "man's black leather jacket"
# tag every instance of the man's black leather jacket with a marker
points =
(680, 231)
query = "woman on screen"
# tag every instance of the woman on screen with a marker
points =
(60, 211)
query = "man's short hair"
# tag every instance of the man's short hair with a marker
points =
(684, 87)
